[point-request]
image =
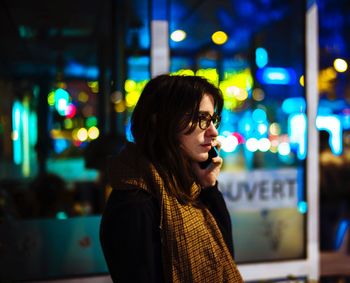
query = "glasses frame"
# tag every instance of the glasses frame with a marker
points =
(204, 120)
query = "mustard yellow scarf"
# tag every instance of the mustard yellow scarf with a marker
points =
(193, 247)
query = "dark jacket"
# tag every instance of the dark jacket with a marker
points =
(130, 235)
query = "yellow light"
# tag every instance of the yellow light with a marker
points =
(129, 85)
(325, 79)
(275, 129)
(178, 35)
(51, 98)
(75, 134)
(230, 104)
(210, 74)
(340, 65)
(242, 95)
(184, 72)
(219, 37)
(132, 98)
(83, 97)
(82, 134)
(301, 81)
(94, 86)
(93, 133)
(120, 107)
(274, 149)
(330, 74)
(61, 85)
(274, 145)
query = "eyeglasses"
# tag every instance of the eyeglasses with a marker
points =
(204, 120)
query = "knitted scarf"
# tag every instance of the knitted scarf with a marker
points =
(193, 247)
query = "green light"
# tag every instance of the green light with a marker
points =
(51, 98)
(68, 124)
(61, 215)
(26, 32)
(33, 126)
(91, 122)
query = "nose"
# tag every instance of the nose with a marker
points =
(212, 131)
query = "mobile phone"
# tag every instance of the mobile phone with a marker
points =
(213, 152)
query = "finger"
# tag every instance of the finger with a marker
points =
(217, 160)
(217, 144)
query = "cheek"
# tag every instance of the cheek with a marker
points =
(190, 144)
(184, 141)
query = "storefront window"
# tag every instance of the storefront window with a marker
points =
(258, 63)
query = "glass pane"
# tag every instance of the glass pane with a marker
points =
(333, 121)
(254, 51)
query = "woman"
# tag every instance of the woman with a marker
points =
(165, 220)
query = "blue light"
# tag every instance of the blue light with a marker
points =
(62, 98)
(333, 126)
(274, 75)
(128, 133)
(17, 110)
(159, 10)
(302, 207)
(77, 70)
(60, 145)
(205, 63)
(246, 125)
(297, 131)
(92, 72)
(74, 69)
(293, 105)
(259, 115)
(341, 232)
(138, 68)
(261, 57)
(324, 111)
(334, 105)
(345, 120)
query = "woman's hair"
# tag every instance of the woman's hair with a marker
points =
(167, 106)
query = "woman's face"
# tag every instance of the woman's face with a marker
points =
(197, 144)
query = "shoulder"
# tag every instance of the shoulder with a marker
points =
(129, 199)
(129, 212)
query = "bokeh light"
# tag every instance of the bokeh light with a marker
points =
(340, 65)
(178, 35)
(93, 133)
(219, 37)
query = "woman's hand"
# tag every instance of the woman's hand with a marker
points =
(207, 177)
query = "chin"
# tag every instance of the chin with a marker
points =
(202, 157)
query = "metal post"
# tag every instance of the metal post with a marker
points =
(160, 57)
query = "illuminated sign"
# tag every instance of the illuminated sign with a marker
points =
(274, 75)
(261, 189)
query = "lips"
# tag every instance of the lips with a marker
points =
(206, 146)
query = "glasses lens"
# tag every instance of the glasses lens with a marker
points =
(216, 120)
(205, 119)
(204, 122)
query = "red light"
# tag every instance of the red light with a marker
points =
(71, 110)
(239, 137)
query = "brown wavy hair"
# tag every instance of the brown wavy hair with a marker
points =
(167, 105)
